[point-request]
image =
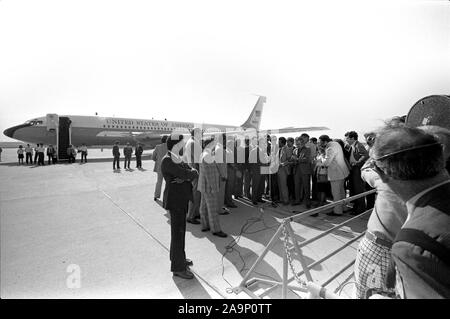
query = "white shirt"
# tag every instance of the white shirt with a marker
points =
(352, 157)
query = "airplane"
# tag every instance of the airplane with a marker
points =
(62, 130)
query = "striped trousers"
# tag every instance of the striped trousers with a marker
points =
(209, 211)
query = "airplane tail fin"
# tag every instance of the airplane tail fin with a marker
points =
(254, 119)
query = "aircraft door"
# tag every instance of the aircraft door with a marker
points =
(52, 122)
(63, 138)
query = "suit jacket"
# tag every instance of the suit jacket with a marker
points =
(176, 195)
(209, 179)
(115, 151)
(313, 148)
(127, 151)
(50, 151)
(303, 159)
(139, 150)
(246, 164)
(420, 274)
(335, 162)
(158, 153)
(359, 153)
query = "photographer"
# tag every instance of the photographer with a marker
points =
(374, 250)
(411, 163)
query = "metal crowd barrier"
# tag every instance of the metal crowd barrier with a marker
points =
(309, 286)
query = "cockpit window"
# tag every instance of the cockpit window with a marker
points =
(34, 122)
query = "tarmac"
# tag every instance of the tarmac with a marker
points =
(84, 231)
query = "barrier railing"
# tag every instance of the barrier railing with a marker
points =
(308, 286)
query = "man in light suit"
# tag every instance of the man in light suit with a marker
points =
(209, 186)
(337, 171)
(177, 193)
(158, 153)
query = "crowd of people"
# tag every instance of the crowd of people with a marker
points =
(286, 171)
(39, 152)
(127, 153)
(308, 170)
(405, 250)
(51, 151)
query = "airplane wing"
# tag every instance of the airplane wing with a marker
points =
(136, 135)
(149, 136)
(284, 130)
(115, 134)
(142, 137)
(293, 129)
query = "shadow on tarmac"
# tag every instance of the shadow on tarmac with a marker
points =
(258, 226)
(191, 289)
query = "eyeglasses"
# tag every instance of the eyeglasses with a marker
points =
(406, 150)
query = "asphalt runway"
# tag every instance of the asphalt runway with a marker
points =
(84, 231)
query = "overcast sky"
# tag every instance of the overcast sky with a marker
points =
(342, 64)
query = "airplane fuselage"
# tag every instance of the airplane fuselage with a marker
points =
(102, 131)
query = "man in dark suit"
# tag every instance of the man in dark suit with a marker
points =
(177, 193)
(116, 154)
(246, 169)
(240, 168)
(358, 156)
(302, 171)
(258, 158)
(138, 152)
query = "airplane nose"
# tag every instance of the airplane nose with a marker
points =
(10, 131)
